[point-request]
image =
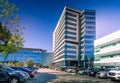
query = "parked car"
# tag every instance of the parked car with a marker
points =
(71, 70)
(58, 69)
(93, 72)
(32, 68)
(82, 71)
(86, 71)
(114, 75)
(64, 68)
(9, 75)
(26, 74)
(102, 74)
(30, 72)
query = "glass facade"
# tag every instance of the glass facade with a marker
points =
(88, 32)
(107, 51)
(37, 55)
(47, 58)
(73, 27)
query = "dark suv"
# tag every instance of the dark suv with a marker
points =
(8, 75)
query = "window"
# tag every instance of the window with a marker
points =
(69, 56)
(90, 27)
(89, 37)
(71, 47)
(89, 18)
(71, 14)
(71, 33)
(69, 51)
(71, 19)
(90, 32)
(89, 13)
(71, 28)
(88, 47)
(69, 37)
(89, 22)
(86, 41)
(70, 23)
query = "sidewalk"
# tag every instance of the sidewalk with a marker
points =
(47, 70)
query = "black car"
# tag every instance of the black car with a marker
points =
(93, 72)
(84, 71)
(32, 68)
(30, 72)
(8, 75)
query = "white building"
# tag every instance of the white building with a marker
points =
(107, 50)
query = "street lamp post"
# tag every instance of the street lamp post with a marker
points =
(89, 62)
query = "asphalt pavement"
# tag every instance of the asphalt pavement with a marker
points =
(53, 76)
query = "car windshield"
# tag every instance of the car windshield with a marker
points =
(7, 68)
(22, 68)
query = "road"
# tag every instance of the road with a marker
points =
(52, 76)
(43, 76)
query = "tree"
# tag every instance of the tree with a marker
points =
(30, 63)
(11, 36)
(39, 65)
(10, 63)
(14, 44)
(19, 64)
(4, 34)
(8, 15)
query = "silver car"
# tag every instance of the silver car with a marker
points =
(102, 74)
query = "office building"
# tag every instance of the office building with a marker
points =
(107, 51)
(73, 38)
(47, 58)
(22, 55)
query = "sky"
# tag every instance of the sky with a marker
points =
(40, 18)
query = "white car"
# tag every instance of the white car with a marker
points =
(70, 70)
(114, 75)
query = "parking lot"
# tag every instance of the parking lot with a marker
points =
(53, 76)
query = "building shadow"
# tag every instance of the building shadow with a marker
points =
(42, 78)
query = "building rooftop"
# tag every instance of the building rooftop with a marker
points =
(36, 49)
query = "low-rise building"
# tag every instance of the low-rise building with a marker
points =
(47, 58)
(107, 50)
(22, 55)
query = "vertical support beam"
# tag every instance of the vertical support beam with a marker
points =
(79, 41)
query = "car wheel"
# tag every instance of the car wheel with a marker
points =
(13, 80)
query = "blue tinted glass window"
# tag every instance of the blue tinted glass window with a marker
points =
(88, 41)
(90, 27)
(72, 47)
(89, 22)
(70, 28)
(88, 47)
(89, 13)
(89, 18)
(90, 32)
(71, 19)
(69, 56)
(89, 37)
(70, 23)
(68, 32)
(90, 53)
(68, 51)
(70, 14)
(69, 37)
